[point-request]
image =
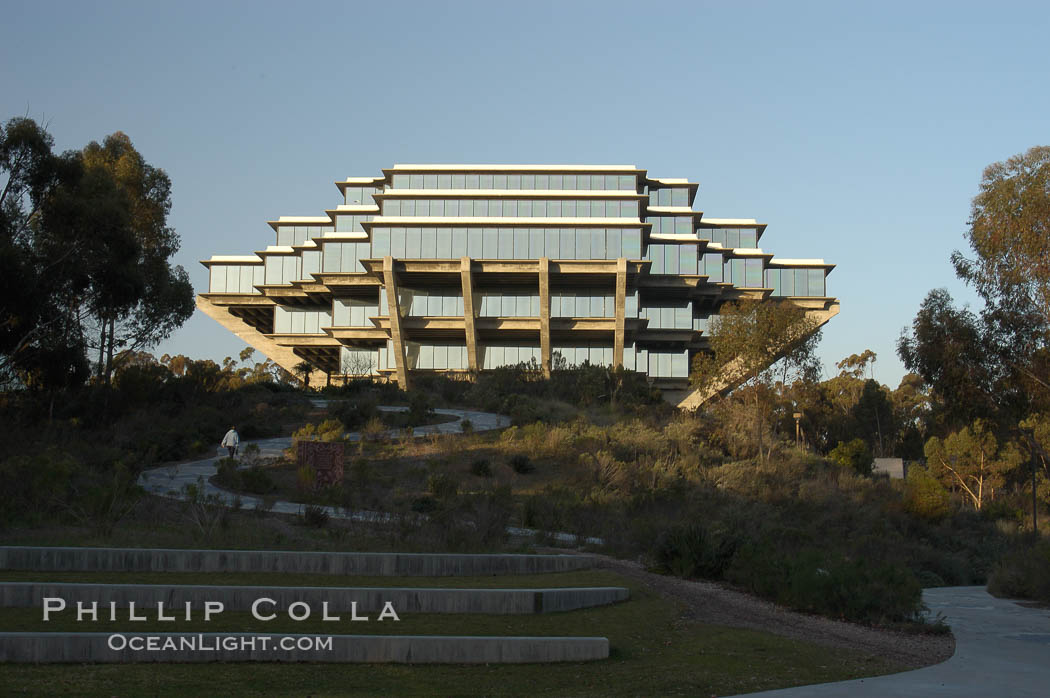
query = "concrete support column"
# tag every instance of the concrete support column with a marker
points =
(621, 311)
(467, 281)
(394, 310)
(545, 315)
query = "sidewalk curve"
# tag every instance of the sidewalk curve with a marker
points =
(1002, 649)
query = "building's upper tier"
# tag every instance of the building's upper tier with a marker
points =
(543, 178)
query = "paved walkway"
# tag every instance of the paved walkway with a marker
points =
(1002, 650)
(171, 480)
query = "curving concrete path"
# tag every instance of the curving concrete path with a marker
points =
(1002, 649)
(171, 480)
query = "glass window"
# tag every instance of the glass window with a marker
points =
(683, 225)
(506, 244)
(611, 182)
(408, 207)
(543, 182)
(753, 273)
(473, 181)
(485, 181)
(627, 183)
(748, 238)
(773, 280)
(597, 209)
(443, 243)
(568, 243)
(437, 207)
(535, 243)
(801, 282)
(671, 265)
(539, 209)
(444, 181)
(423, 207)
(514, 181)
(598, 243)
(428, 243)
(583, 243)
(401, 181)
(687, 259)
(417, 181)
(380, 242)
(459, 181)
(787, 282)
(613, 241)
(466, 208)
(510, 208)
(521, 243)
(597, 182)
(459, 243)
(491, 243)
(569, 182)
(392, 207)
(484, 207)
(632, 243)
(656, 254)
(528, 181)
(397, 242)
(568, 209)
(413, 242)
(290, 271)
(475, 247)
(680, 197)
(816, 282)
(733, 238)
(430, 181)
(218, 279)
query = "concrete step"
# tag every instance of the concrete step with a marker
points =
(58, 559)
(229, 647)
(339, 599)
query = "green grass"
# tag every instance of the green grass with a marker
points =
(654, 651)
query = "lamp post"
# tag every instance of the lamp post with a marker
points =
(797, 416)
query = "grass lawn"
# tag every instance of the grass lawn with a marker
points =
(655, 650)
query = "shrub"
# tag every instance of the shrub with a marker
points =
(1023, 573)
(466, 426)
(924, 496)
(257, 480)
(316, 516)
(521, 464)
(354, 413)
(226, 474)
(442, 486)
(481, 467)
(855, 455)
(692, 551)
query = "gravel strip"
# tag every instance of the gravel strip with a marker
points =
(708, 602)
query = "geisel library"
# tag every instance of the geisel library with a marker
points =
(463, 268)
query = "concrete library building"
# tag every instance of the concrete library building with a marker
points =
(464, 268)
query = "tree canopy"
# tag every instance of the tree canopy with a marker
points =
(85, 255)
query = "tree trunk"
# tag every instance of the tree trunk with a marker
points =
(109, 352)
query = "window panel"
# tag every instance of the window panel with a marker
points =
(428, 243)
(401, 181)
(816, 282)
(787, 282)
(597, 243)
(528, 181)
(505, 248)
(218, 279)
(475, 248)
(413, 242)
(568, 243)
(444, 181)
(801, 282)
(583, 243)
(513, 181)
(551, 237)
(632, 243)
(687, 259)
(535, 243)
(459, 243)
(430, 181)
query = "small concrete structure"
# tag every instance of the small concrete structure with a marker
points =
(283, 561)
(894, 467)
(339, 599)
(227, 647)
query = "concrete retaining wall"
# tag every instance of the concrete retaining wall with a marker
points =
(364, 564)
(339, 599)
(404, 649)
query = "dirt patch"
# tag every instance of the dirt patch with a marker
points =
(707, 602)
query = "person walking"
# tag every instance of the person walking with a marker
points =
(231, 441)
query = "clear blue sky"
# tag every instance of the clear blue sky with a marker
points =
(858, 133)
